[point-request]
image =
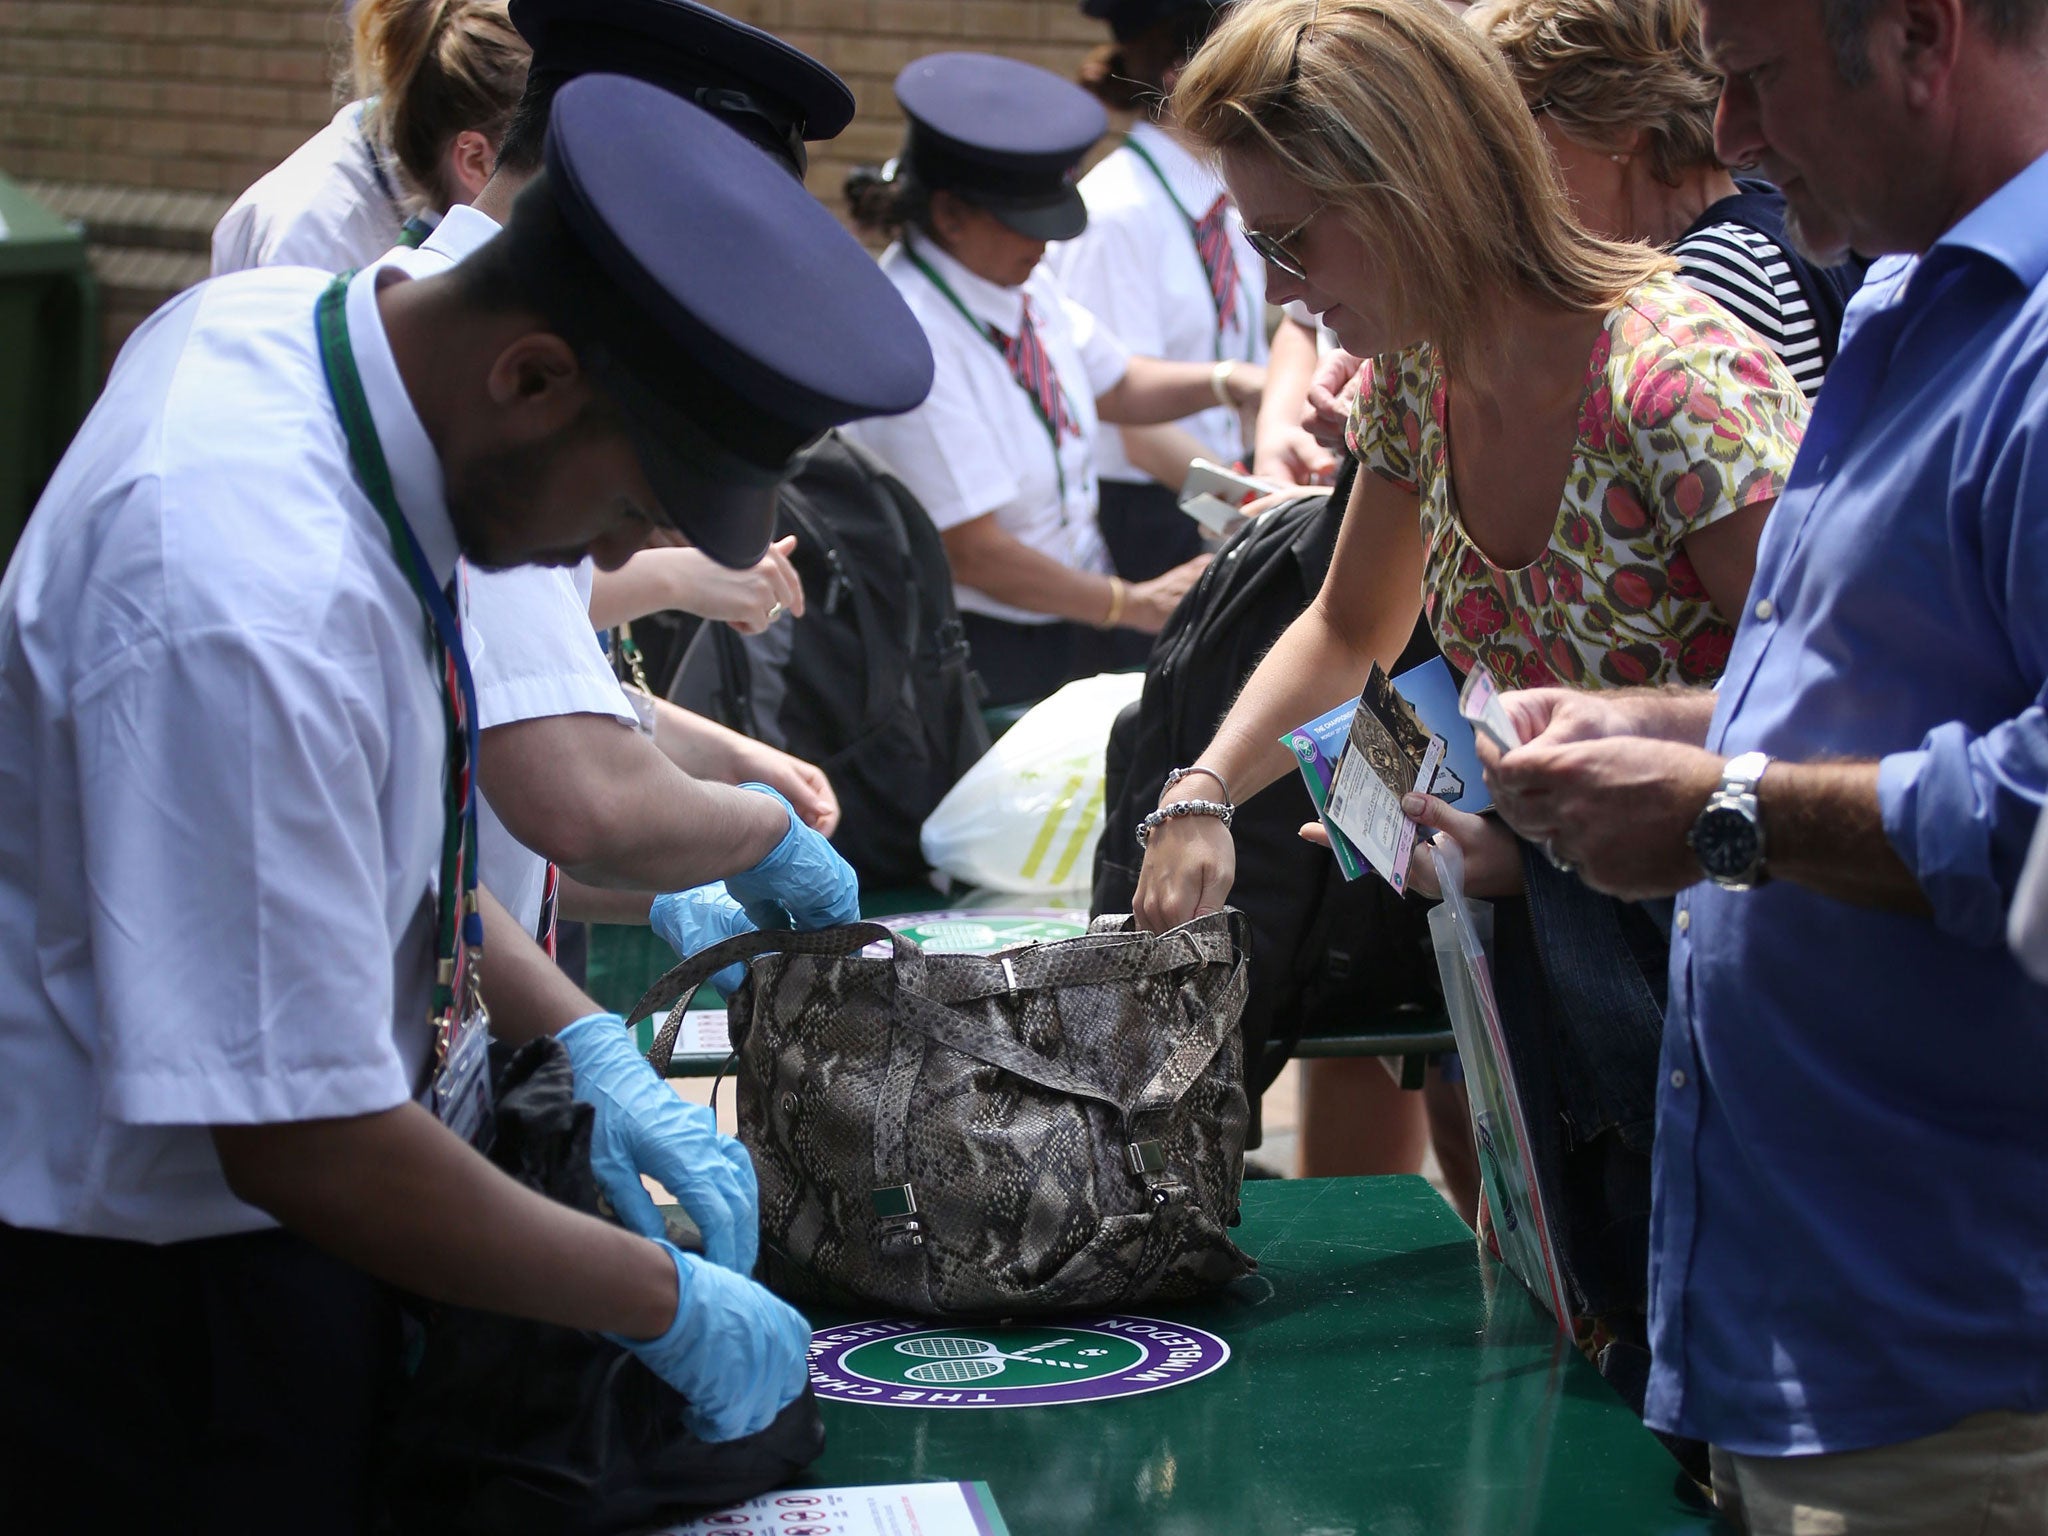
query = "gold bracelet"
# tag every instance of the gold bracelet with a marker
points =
(1219, 381)
(1117, 592)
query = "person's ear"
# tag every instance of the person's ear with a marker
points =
(952, 217)
(538, 386)
(471, 159)
(1925, 43)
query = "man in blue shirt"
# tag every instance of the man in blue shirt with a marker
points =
(1849, 1266)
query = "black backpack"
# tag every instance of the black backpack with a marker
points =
(1327, 954)
(873, 683)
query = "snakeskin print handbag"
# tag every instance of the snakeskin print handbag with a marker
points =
(1056, 1127)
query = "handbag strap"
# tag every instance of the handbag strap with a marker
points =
(675, 988)
(1089, 960)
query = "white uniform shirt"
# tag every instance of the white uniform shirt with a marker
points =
(1137, 269)
(531, 649)
(976, 446)
(221, 749)
(334, 203)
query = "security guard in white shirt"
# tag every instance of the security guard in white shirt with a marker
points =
(438, 80)
(575, 774)
(1163, 263)
(1002, 453)
(240, 1046)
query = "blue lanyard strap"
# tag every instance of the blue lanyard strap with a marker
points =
(458, 928)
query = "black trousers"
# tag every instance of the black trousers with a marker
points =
(1145, 529)
(228, 1385)
(1022, 663)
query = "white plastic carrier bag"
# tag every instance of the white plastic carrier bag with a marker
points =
(1025, 818)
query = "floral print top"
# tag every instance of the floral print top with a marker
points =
(1686, 418)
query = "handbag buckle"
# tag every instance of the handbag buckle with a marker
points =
(1148, 1162)
(896, 1209)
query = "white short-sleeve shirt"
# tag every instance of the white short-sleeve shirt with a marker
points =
(976, 447)
(333, 203)
(532, 651)
(1137, 269)
(222, 746)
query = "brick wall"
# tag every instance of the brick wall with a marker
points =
(144, 118)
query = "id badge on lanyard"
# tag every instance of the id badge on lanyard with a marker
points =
(634, 679)
(461, 1085)
(462, 1082)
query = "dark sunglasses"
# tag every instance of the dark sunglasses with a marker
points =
(1274, 247)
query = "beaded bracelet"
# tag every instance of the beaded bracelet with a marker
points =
(1181, 808)
(1175, 775)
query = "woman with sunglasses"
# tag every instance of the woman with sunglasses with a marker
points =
(1571, 455)
(1002, 452)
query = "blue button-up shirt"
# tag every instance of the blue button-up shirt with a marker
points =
(1849, 1241)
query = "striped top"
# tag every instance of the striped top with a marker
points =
(1750, 275)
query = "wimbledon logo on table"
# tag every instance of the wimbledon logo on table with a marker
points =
(912, 1364)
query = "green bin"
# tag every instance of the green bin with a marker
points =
(49, 365)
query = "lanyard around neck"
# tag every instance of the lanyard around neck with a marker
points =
(988, 334)
(1194, 233)
(458, 927)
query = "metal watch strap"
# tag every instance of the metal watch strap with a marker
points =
(1739, 775)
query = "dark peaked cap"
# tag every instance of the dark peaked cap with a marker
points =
(1001, 134)
(727, 312)
(1127, 18)
(689, 48)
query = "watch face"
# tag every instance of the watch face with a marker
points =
(1726, 841)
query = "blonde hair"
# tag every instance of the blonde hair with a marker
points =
(1400, 118)
(434, 69)
(1606, 69)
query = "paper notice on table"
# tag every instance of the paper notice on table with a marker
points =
(704, 1033)
(1389, 752)
(893, 1509)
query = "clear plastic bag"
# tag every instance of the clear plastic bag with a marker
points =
(1025, 818)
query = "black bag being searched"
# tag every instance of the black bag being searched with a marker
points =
(519, 1428)
(1327, 954)
(873, 683)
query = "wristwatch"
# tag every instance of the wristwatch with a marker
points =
(1728, 835)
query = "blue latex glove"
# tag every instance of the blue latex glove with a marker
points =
(698, 918)
(737, 1352)
(804, 875)
(642, 1127)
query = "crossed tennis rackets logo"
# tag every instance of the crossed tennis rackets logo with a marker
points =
(951, 1360)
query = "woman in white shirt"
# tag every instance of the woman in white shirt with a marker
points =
(1002, 453)
(436, 81)
(1164, 264)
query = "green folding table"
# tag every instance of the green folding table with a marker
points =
(1384, 1378)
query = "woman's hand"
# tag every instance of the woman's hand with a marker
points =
(1149, 604)
(1328, 409)
(748, 600)
(672, 577)
(1493, 855)
(1190, 864)
(802, 784)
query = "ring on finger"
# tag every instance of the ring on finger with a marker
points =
(1562, 865)
(774, 612)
